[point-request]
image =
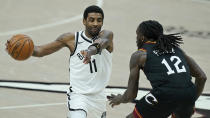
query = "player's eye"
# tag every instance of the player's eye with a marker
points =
(91, 19)
(99, 20)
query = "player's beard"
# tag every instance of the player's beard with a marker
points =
(94, 32)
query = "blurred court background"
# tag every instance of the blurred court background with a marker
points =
(45, 20)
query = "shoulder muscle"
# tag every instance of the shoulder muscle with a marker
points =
(138, 59)
(68, 39)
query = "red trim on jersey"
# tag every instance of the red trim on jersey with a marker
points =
(150, 42)
(173, 115)
(136, 113)
(142, 49)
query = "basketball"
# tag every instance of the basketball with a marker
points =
(20, 47)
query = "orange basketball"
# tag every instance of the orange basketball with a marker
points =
(20, 47)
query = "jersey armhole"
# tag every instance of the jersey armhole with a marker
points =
(143, 51)
(76, 42)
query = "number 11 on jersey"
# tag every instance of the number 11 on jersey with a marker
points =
(93, 65)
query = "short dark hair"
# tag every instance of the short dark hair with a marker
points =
(93, 9)
(154, 30)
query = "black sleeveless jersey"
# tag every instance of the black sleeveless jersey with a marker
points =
(169, 69)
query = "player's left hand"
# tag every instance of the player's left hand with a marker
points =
(86, 55)
(115, 99)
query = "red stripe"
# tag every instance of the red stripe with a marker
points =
(150, 42)
(136, 113)
(142, 49)
(173, 115)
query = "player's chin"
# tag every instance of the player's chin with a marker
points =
(95, 33)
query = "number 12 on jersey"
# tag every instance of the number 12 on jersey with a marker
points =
(176, 64)
(93, 65)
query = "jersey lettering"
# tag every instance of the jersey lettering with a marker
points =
(80, 56)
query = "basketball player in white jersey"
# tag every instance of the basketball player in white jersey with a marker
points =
(90, 64)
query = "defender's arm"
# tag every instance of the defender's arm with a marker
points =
(197, 72)
(137, 60)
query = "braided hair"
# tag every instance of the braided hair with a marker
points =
(152, 29)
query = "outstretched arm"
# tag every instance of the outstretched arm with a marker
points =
(105, 41)
(137, 60)
(197, 72)
(65, 40)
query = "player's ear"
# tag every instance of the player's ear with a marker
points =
(143, 38)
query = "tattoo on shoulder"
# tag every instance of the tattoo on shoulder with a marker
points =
(65, 37)
(138, 58)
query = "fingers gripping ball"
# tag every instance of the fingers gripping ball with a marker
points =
(20, 47)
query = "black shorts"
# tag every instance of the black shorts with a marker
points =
(150, 107)
(183, 111)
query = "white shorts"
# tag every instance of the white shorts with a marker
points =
(93, 105)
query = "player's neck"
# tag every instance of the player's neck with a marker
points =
(88, 35)
(151, 40)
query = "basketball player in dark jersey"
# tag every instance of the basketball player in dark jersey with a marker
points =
(169, 70)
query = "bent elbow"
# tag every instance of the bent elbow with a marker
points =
(201, 79)
(204, 78)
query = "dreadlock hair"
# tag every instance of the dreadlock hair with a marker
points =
(93, 9)
(152, 29)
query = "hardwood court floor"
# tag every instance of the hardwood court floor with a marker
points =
(45, 20)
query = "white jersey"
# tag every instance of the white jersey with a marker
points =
(93, 77)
